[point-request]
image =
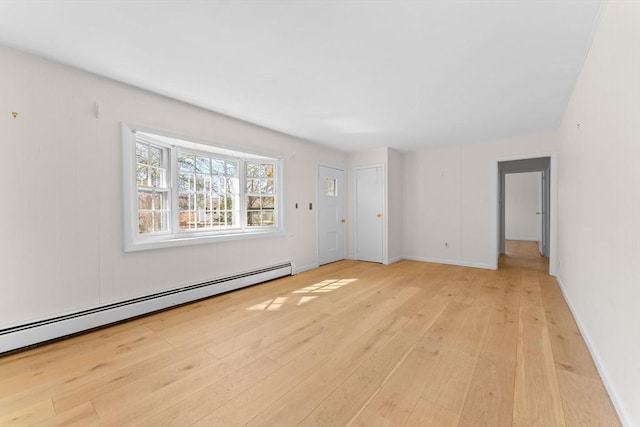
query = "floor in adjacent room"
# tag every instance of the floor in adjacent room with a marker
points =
(350, 343)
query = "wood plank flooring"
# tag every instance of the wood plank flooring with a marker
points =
(348, 344)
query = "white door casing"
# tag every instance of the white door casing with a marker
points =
(331, 215)
(539, 212)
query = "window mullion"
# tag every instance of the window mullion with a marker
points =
(242, 194)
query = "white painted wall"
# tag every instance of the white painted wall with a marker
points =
(522, 201)
(395, 197)
(432, 205)
(450, 196)
(61, 220)
(599, 210)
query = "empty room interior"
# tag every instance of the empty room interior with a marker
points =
(322, 213)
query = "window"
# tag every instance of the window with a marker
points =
(260, 193)
(208, 192)
(332, 187)
(152, 188)
(180, 192)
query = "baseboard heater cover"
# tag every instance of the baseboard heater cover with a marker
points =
(25, 335)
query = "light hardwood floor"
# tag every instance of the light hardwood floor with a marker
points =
(350, 343)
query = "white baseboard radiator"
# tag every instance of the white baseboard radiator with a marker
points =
(29, 334)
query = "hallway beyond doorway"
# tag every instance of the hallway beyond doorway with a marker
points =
(523, 254)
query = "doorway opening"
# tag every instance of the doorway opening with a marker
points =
(531, 222)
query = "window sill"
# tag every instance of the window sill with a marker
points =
(169, 241)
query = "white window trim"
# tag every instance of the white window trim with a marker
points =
(133, 241)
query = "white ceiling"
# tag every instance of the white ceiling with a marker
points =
(349, 74)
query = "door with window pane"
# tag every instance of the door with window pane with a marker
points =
(331, 215)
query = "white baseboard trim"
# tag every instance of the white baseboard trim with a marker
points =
(298, 270)
(394, 259)
(624, 419)
(451, 262)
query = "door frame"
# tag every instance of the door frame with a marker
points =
(383, 209)
(317, 207)
(498, 204)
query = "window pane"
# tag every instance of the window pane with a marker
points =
(268, 203)
(187, 220)
(219, 203)
(253, 202)
(217, 184)
(260, 218)
(268, 187)
(203, 165)
(158, 221)
(253, 186)
(204, 219)
(259, 170)
(262, 187)
(158, 201)
(157, 177)
(232, 186)
(217, 167)
(186, 162)
(262, 171)
(229, 202)
(155, 156)
(251, 170)
(201, 202)
(267, 218)
(209, 201)
(145, 222)
(232, 168)
(142, 153)
(230, 218)
(253, 218)
(144, 200)
(331, 187)
(200, 182)
(186, 182)
(142, 175)
(185, 202)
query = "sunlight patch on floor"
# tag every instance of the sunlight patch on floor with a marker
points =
(324, 286)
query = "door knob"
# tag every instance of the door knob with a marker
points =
(379, 215)
(343, 220)
(538, 213)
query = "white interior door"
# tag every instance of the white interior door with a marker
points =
(540, 214)
(369, 212)
(331, 215)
